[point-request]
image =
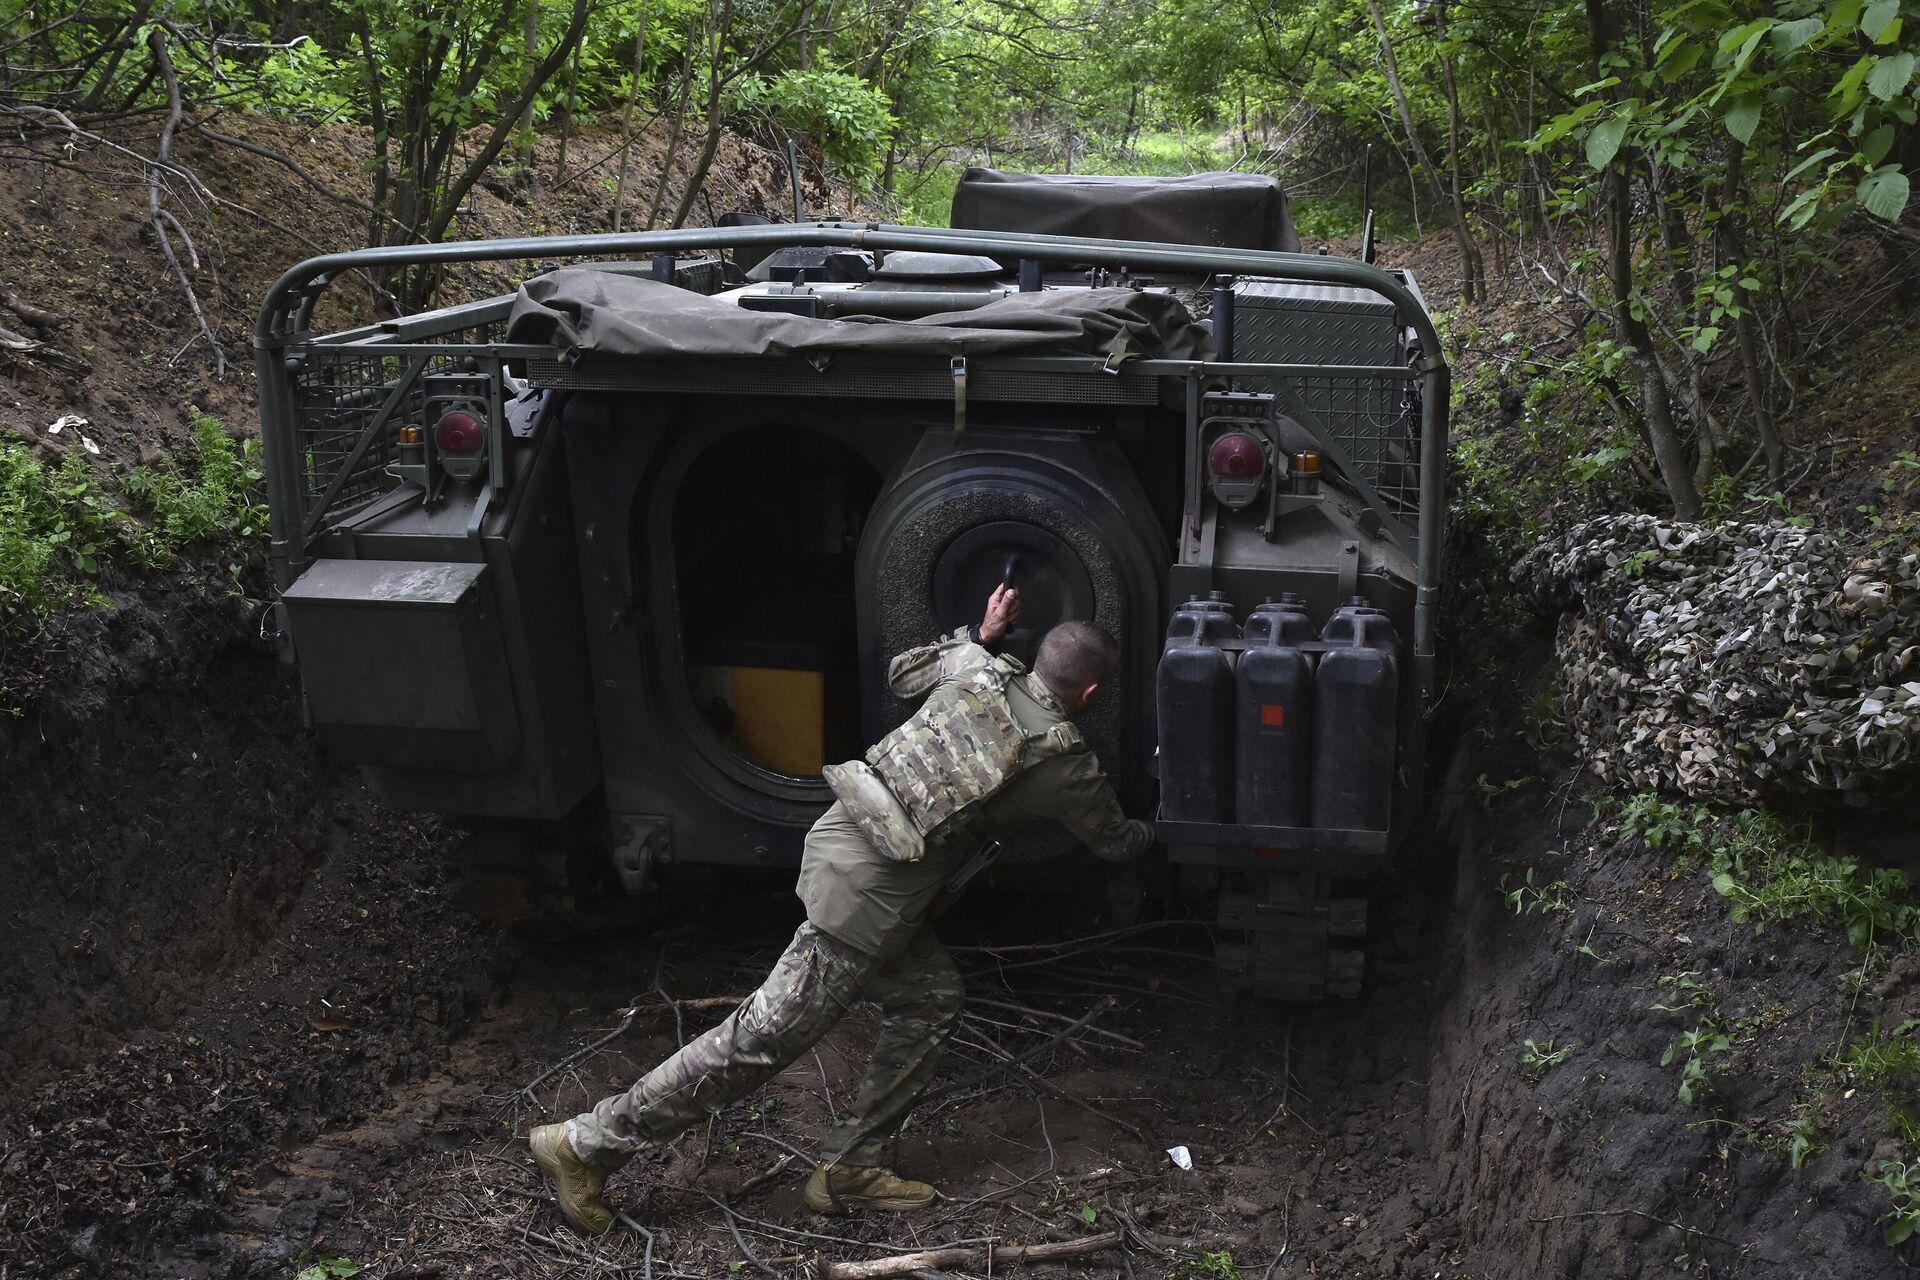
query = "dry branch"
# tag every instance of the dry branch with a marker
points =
(985, 1258)
(19, 344)
(39, 317)
(161, 219)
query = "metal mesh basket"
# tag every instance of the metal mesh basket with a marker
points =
(346, 416)
(1374, 423)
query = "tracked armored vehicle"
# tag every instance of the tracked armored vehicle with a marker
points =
(628, 550)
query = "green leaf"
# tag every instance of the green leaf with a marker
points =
(1748, 37)
(1789, 36)
(1088, 1214)
(1884, 193)
(1879, 16)
(1876, 144)
(1603, 144)
(1560, 126)
(1743, 117)
(1812, 160)
(1803, 209)
(1900, 1228)
(1723, 884)
(1890, 75)
(1745, 33)
(1845, 86)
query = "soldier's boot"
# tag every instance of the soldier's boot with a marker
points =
(842, 1188)
(576, 1184)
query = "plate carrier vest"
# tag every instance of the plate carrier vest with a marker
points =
(923, 781)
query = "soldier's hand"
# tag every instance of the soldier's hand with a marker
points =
(1003, 610)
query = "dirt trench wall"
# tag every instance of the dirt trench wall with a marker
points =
(163, 806)
(1596, 1167)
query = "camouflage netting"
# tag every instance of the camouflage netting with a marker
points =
(1733, 661)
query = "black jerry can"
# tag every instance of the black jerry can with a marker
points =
(1273, 712)
(1355, 721)
(1194, 705)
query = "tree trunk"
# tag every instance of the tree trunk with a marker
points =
(1656, 403)
(1746, 332)
(530, 45)
(566, 118)
(1472, 269)
(626, 118)
(1469, 256)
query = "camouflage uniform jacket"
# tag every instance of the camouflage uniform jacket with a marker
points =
(870, 901)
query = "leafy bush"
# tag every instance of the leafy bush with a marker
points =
(60, 529)
(1901, 1182)
(1771, 873)
(845, 115)
(57, 528)
(223, 501)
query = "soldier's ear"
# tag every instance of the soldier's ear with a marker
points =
(1087, 694)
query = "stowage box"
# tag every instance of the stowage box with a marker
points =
(403, 663)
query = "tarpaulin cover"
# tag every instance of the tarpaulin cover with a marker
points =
(1224, 210)
(586, 312)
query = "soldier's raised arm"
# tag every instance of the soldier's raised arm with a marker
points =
(913, 674)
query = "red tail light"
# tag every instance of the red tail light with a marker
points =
(1236, 454)
(459, 432)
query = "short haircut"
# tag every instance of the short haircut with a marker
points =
(1074, 655)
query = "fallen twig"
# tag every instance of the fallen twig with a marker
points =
(1047, 1086)
(986, 1257)
(733, 1228)
(626, 1022)
(762, 1178)
(1013, 1062)
(1029, 1011)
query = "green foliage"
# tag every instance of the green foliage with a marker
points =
(1886, 1059)
(1803, 1137)
(1217, 1265)
(1901, 1181)
(1662, 824)
(60, 529)
(1525, 898)
(1692, 1049)
(844, 114)
(1539, 1057)
(1543, 725)
(328, 1266)
(223, 501)
(1682, 992)
(1770, 872)
(57, 531)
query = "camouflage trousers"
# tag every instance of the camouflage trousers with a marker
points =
(815, 983)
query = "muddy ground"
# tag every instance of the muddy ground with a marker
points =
(247, 1045)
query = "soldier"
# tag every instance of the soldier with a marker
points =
(991, 748)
